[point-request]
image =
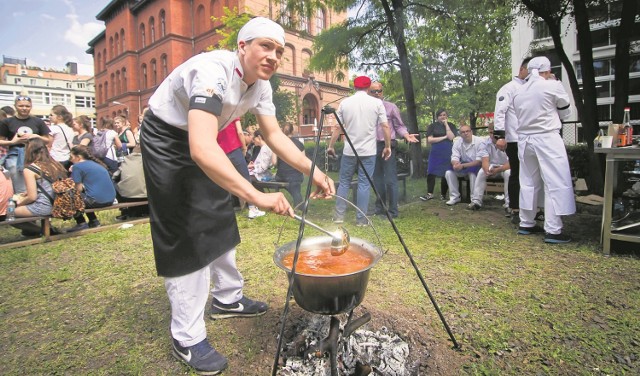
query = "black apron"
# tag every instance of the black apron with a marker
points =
(192, 218)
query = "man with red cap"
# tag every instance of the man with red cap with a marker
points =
(361, 115)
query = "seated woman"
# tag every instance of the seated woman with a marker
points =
(40, 169)
(130, 185)
(6, 191)
(93, 180)
(260, 168)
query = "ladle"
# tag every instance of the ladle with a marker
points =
(340, 238)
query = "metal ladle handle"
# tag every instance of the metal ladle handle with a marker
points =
(332, 234)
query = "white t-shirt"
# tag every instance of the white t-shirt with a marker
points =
(205, 75)
(61, 148)
(109, 139)
(360, 114)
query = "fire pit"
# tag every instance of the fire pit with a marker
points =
(336, 288)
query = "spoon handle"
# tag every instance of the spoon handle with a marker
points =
(299, 218)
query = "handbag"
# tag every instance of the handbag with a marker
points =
(68, 202)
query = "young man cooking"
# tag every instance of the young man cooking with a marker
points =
(189, 178)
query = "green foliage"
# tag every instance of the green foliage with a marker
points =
(233, 22)
(579, 160)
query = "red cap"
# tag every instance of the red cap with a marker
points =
(362, 82)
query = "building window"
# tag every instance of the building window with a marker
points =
(85, 102)
(144, 76)
(99, 92)
(124, 80)
(111, 55)
(541, 30)
(163, 24)
(285, 15)
(122, 44)
(304, 23)
(143, 37)
(154, 73)
(106, 91)
(165, 68)
(69, 85)
(112, 83)
(17, 80)
(32, 81)
(98, 61)
(117, 44)
(104, 58)
(201, 20)
(118, 87)
(80, 85)
(152, 29)
(320, 24)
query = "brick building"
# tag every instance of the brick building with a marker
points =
(145, 39)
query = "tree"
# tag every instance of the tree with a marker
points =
(552, 12)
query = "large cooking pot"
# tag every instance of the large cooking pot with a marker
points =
(328, 294)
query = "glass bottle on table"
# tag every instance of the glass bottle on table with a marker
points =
(628, 129)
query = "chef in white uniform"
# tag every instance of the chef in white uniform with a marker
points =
(539, 105)
(189, 177)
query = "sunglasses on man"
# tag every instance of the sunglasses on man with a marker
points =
(23, 98)
(375, 91)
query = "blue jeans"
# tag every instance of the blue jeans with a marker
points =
(14, 162)
(385, 179)
(348, 165)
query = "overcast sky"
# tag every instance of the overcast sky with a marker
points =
(50, 33)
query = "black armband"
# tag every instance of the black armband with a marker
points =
(498, 135)
(563, 108)
(212, 105)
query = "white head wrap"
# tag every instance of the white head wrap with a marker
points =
(261, 27)
(538, 64)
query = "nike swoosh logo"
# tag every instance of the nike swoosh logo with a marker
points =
(239, 308)
(186, 357)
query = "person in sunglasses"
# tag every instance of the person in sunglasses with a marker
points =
(15, 133)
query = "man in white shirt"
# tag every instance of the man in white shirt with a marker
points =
(494, 164)
(539, 105)
(465, 161)
(189, 178)
(360, 115)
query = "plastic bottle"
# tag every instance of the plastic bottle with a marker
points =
(11, 210)
(628, 129)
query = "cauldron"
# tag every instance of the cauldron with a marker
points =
(328, 294)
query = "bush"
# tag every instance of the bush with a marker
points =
(578, 160)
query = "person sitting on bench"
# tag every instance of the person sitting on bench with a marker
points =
(465, 162)
(130, 185)
(495, 163)
(92, 179)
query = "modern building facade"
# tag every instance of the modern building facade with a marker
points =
(528, 39)
(144, 40)
(46, 88)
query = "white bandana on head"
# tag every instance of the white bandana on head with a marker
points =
(261, 27)
(538, 64)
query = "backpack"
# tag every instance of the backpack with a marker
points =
(68, 201)
(99, 147)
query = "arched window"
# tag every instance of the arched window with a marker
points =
(143, 77)
(165, 68)
(124, 80)
(320, 23)
(111, 48)
(152, 29)
(154, 73)
(99, 94)
(201, 20)
(306, 56)
(98, 62)
(143, 36)
(124, 47)
(117, 44)
(106, 91)
(215, 7)
(163, 24)
(118, 87)
(288, 60)
(112, 84)
(104, 58)
(285, 15)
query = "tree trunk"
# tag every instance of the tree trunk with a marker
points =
(396, 21)
(621, 81)
(587, 105)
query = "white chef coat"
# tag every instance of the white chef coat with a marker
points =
(466, 152)
(504, 115)
(208, 74)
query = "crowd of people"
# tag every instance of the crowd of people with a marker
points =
(35, 153)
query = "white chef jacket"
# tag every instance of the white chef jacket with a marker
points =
(539, 105)
(504, 115)
(466, 152)
(208, 74)
(489, 150)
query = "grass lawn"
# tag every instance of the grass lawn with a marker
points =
(93, 304)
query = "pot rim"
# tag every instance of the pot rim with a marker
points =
(289, 247)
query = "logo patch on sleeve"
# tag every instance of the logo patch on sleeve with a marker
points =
(501, 98)
(200, 100)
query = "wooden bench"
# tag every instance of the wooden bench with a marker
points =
(494, 184)
(45, 225)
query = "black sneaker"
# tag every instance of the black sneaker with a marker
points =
(204, 359)
(540, 216)
(94, 223)
(530, 230)
(426, 197)
(473, 206)
(556, 238)
(78, 227)
(244, 307)
(362, 222)
(515, 218)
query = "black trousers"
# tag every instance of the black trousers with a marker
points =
(514, 180)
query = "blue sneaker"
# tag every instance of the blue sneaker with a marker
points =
(557, 238)
(530, 230)
(244, 307)
(202, 357)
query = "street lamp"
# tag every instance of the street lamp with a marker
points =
(121, 104)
